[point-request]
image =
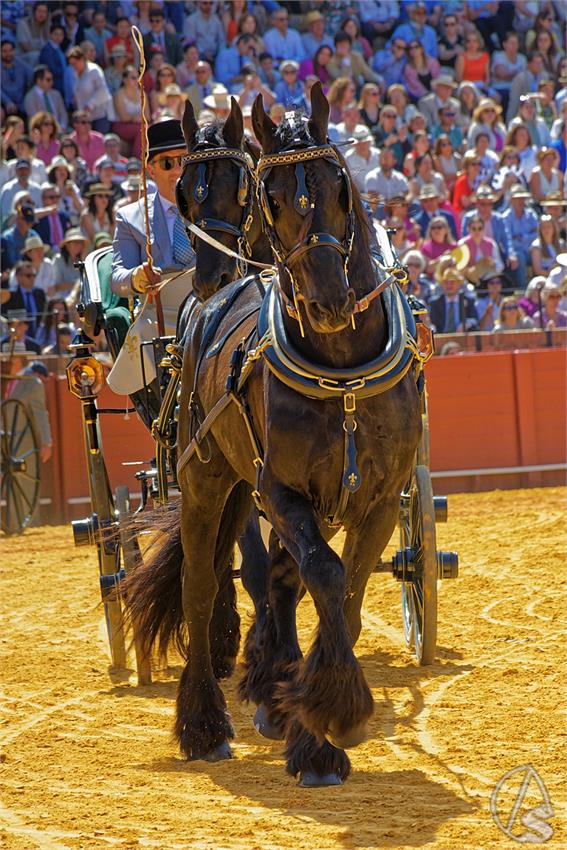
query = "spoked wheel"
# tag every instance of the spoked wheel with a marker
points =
(131, 556)
(21, 464)
(418, 557)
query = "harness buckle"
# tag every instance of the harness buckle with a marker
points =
(349, 401)
(248, 223)
(362, 304)
(258, 462)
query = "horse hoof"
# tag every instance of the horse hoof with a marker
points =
(351, 738)
(263, 726)
(309, 779)
(220, 753)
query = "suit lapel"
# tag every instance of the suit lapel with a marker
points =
(161, 243)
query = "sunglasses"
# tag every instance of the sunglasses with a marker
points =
(510, 307)
(438, 227)
(29, 274)
(168, 163)
(82, 121)
(475, 229)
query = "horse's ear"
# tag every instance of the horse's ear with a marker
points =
(319, 121)
(233, 129)
(264, 127)
(189, 125)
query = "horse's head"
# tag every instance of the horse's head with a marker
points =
(215, 192)
(306, 199)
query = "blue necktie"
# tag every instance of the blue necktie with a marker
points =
(183, 254)
(451, 323)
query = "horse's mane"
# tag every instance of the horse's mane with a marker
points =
(211, 134)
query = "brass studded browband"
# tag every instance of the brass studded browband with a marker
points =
(295, 156)
(219, 153)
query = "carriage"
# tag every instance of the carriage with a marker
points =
(417, 565)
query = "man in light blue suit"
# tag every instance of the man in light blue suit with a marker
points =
(172, 255)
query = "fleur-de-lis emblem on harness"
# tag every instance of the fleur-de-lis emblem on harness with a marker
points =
(352, 479)
(314, 239)
(303, 202)
(200, 191)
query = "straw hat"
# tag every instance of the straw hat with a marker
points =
(554, 199)
(311, 17)
(545, 151)
(35, 242)
(452, 273)
(428, 191)
(172, 90)
(74, 234)
(443, 80)
(485, 103)
(485, 193)
(361, 133)
(218, 99)
(289, 63)
(59, 162)
(518, 191)
(98, 189)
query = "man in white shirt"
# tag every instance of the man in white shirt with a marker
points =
(385, 181)
(25, 148)
(362, 157)
(44, 98)
(21, 182)
(91, 93)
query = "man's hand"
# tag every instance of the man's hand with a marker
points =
(45, 453)
(143, 277)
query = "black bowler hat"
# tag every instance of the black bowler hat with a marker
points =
(165, 136)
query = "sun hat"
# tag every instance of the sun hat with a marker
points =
(117, 50)
(218, 99)
(172, 90)
(311, 17)
(35, 242)
(102, 239)
(23, 162)
(518, 191)
(98, 189)
(485, 193)
(452, 273)
(59, 162)
(554, 199)
(443, 80)
(428, 191)
(74, 234)
(485, 103)
(545, 151)
(289, 63)
(361, 133)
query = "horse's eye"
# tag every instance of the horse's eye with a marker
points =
(274, 204)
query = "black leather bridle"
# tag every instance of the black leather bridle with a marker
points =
(202, 155)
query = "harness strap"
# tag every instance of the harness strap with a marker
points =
(210, 240)
(201, 433)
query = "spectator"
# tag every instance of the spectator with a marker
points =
(426, 176)
(218, 102)
(486, 119)
(545, 45)
(98, 33)
(44, 97)
(359, 43)
(489, 20)
(56, 313)
(14, 129)
(452, 311)
(369, 106)
(317, 66)
(204, 28)
(550, 317)
(164, 77)
(66, 275)
(117, 63)
(69, 150)
(417, 30)
(282, 41)
(510, 317)
(469, 99)
(447, 127)
(378, 19)
(506, 64)
(350, 120)
(419, 144)
(32, 33)
(203, 87)
(494, 224)
(45, 132)
(397, 97)
(418, 283)
(19, 340)
(546, 104)
(466, 182)
(446, 161)
(489, 162)
(89, 141)
(346, 63)
(398, 235)
(15, 79)
(31, 392)
(384, 180)
(91, 94)
(438, 240)
(128, 110)
(473, 64)
(21, 182)
(34, 252)
(270, 77)
(186, 71)
(121, 38)
(69, 20)
(532, 301)
(545, 248)
(341, 92)
(61, 346)
(231, 61)
(488, 306)
(362, 157)
(450, 43)
(315, 37)
(390, 64)
(172, 102)
(98, 215)
(53, 225)
(53, 56)
(519, 138)
(252, 86)
(388, 136)
(483, 252)
(545, 178)
(429, 199)
(522, 223)
(544, 22)
(420, 70)
(441, 98)
(248, 25)
(141, 18)
(14, 237)
(25, 148)
(525, 82)
(27, 296)
(527, 115)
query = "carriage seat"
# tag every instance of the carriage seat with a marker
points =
(114, 308)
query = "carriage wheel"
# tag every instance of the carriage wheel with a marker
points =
(131, 556)
(419, 584)
(21, 466)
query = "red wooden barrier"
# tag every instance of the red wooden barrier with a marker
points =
(492, 410)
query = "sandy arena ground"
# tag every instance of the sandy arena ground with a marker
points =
(87, 761)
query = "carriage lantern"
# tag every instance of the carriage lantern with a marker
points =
(85, 377)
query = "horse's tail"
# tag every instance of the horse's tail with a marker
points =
(152, 591)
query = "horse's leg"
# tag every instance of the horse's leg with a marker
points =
(361, 552)
(203, 725)
(329, 696)
(276, 645)
(254, 575)
(224, 629)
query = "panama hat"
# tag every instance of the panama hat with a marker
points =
(554, 199)
(518, 191)
(361, 133)
(485, 193)
(311, 17)
(117, 50)
(461, 257)
(485, 103)
(35, 242)
(98, 189)
(59, 162)
(172, 90)
(452, 273)
(74, 234)
(546, 151)
(289, 63)
(218, 99)
(428, 191)
(443, 80)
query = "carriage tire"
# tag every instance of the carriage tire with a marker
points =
(131, 555)
(20, 465)
(419, 591)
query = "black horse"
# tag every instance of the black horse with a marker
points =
(323, 430)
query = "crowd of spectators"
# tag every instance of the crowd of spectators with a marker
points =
(451, 115)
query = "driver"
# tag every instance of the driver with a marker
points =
(172, 255)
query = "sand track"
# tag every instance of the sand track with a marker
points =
(87, 761)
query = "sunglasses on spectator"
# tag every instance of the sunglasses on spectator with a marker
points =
(399, 47)
(373, 93)
(156, 20)
(71, 15)
(169, 162)
(28, 274)
(81, 121)
(476, 228)
(510, 307)
(555, 297)
(51, 197)
(438, 227)
(47, 124)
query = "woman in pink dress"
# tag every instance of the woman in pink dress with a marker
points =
(45, 130)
